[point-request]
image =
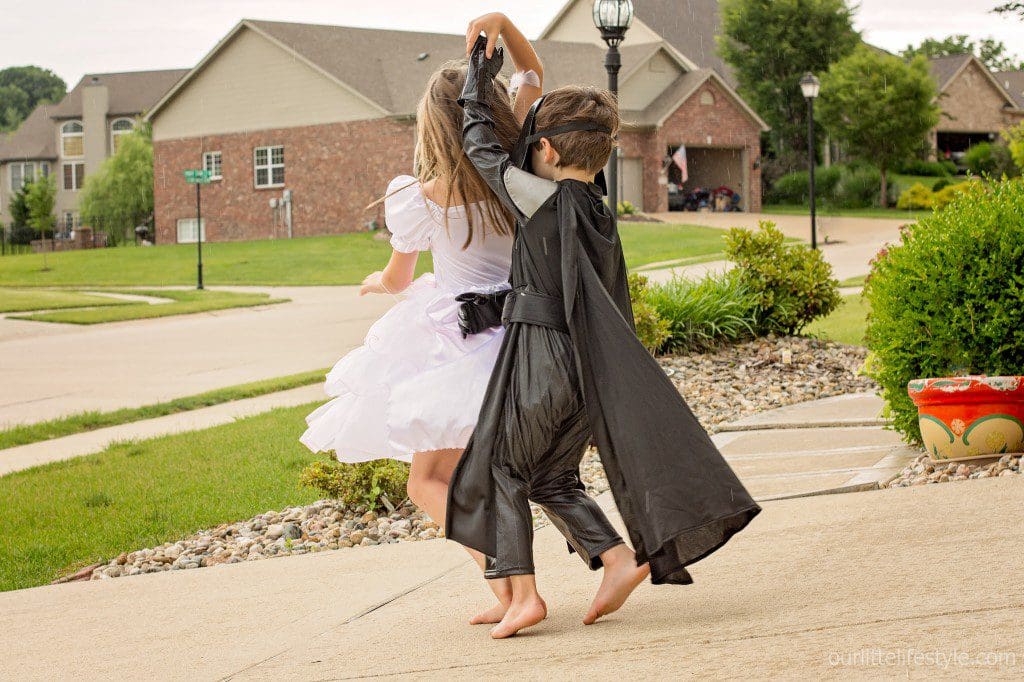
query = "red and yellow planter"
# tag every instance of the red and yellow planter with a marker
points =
(970, 417)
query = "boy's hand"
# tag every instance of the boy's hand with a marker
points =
(490, 25)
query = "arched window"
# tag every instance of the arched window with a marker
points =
(71, 143)
(120, 126)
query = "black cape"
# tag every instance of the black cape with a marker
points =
(677, 496)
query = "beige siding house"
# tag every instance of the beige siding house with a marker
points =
(71, 139)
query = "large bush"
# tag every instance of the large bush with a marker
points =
(935, 169)
(702, 313)
(794, 188)
(917, 196)
(650, 328)
(852, 185)
(948, 299)
(993, 160)
(362, 484)
(942, 197)
(792, 284)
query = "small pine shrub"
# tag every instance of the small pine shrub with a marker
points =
(917, 196)
(651, 329)
(948, 299)
(792, 284)
(704, 313)
(358, 484)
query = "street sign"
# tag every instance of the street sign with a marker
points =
(197, 177)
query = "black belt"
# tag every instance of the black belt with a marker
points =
(534, 308)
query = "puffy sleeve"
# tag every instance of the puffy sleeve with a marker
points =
(407, 215)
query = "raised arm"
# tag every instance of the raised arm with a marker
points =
(518, 190)
(524, 57)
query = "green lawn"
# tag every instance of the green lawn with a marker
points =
(66, 515)
(846, 324)
(21, 300)
(339, 259)
(184, 302)
(856, 281)
(90, 421)
(873, 212)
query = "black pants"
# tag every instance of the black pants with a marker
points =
(538, 453)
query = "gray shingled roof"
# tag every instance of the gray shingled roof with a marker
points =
(1013, 81)
(690, 26)
(944, 68)
(384, 66)
(35, 138)
(131, 93)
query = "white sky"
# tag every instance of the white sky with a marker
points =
(73, 37)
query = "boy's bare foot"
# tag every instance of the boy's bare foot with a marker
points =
(520, 615)
(621, 577)
(491, 615)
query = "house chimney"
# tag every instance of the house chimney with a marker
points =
(95, 104)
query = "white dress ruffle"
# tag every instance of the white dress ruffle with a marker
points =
(415, 384)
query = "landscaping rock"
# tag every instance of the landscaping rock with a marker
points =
(1008, 465)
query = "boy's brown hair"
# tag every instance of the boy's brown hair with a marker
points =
(590, 149)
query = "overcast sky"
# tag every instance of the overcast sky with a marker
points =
(73, 37)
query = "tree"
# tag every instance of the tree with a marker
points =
(879, 106)
(993, 53)
(770, 44)
(40, 197)
(1011, 8)
(24, 87)
(119, 195)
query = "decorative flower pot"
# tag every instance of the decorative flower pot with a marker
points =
(970, 417)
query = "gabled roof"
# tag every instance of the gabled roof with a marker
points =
(35, 138)
(1013, 82)
(681, 90)
(690, 26)
(945, 70)
(131, 93)
(388, 69)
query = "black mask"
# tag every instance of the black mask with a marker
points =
(521, 152)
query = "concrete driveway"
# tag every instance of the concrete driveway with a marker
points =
(50, 370)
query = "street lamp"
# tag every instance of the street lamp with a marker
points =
(612, 18)
(810, 86)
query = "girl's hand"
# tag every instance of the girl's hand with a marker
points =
(490, 25)
(372, 284)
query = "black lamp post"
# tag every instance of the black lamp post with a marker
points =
(612, 18)
(810, 86)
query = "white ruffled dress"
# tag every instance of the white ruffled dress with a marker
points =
(415, 384)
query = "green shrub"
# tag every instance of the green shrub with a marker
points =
(858, 188)
(950, 166)
(652, 330)
(20, 234)
(939, 184)
(361, 484)
(792, 285)
(990, 159)
(945, 195)
(626, 208)
(948, 299)
(917, 196)
(703, 313)
(935, 169)
(794, 188)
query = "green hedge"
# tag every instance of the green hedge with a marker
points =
(703, 313)
(948, 299)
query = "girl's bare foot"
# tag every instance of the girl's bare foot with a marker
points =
(621, 577)
(491, 615)
(520, 615)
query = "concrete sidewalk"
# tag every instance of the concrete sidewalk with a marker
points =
(76, 445)
(816, 587)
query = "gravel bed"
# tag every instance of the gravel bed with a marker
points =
(923, 471)
(720, 385)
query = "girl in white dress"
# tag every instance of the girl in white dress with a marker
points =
(413, 390)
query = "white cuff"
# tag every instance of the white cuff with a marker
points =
(520, 78)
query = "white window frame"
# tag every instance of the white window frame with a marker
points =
(25, 177)
(189, 224)
(65, 134)
(117, 133)
(269, 166)
(77, 178)
(208, 158)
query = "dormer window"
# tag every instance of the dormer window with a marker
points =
(71, 142)
(119, 127)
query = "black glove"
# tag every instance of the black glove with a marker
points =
(480, 311)
(482, 71)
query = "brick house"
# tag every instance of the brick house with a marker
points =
(73, 137)
(324, 116)
(976, 104)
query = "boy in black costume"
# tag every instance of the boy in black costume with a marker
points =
(571, 368)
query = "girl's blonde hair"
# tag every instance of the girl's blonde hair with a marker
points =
(439, 151)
